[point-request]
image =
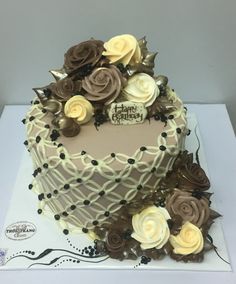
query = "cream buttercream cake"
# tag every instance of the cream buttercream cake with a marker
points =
(107, 144)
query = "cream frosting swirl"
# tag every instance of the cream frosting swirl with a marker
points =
(123, 49)
(151, 228)
(188, 241)
(79, 108)
(141, 88)
(103, 85)
(187, 206)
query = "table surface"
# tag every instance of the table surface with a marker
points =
(219, 144)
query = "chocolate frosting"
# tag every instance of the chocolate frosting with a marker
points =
(187, 206)
(192, 177)
(103, 85)
(115, 241)
(80, 55)
(64, 89)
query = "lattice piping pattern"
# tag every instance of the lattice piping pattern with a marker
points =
(80, 194)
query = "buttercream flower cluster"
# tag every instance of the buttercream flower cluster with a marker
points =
(118, 70)
(174, 220)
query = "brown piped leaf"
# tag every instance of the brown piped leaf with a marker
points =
(53, 106)
(214, 214)
(188, 258)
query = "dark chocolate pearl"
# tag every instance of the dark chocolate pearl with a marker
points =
(66, 186)
(83, 152)
(143, 148)
(40, 211)
(107, 213)
(30, 186)
(39, 170)
(85, 230)
(117, 180)
(113, 155)
(59, 145)
(26, 143)
(31, 118)
(162, 148)
(139, 187)
(62, 156)
(45, 165)
(44, 110)
(153, 170)
(178, 130)
(189, 132)
(65, 231)
(55, 191)
(65, 214)
(171, 116)
(95, 222)
(164, 134)
(162, 204)
(156, 117)
(86, 202)
(79, 180)
(23, 120)
(41, 196)
(57, 217)
(101, 193)
(49, 195)
(131, 161)
(47, 126)
(73, 207)
(38, 138)
(94, 162)
(123, 202)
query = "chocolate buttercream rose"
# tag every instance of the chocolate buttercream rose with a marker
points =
(123, 49)
(189, 240)
(79, 109)
(65, 88)
(103, 85)
(141, 88)
(115, 241)
(151, 228)
(191, 177)
(188, 207)
(86, 53)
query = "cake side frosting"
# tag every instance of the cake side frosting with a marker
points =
(105, 183)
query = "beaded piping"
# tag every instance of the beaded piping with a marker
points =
(81, 191)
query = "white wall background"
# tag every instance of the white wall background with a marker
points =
(196, 40)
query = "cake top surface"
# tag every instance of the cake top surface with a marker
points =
(110, 81)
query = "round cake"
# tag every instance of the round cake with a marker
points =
(107, 144)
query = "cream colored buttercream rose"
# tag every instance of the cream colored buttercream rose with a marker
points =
(189, 240)
(151, 228)
(122, 49)
(79, 108)
(141, 88)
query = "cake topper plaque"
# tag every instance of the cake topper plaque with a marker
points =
(127, 113)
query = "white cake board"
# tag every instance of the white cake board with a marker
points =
(48, 248)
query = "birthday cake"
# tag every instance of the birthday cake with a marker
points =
(107, 141)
